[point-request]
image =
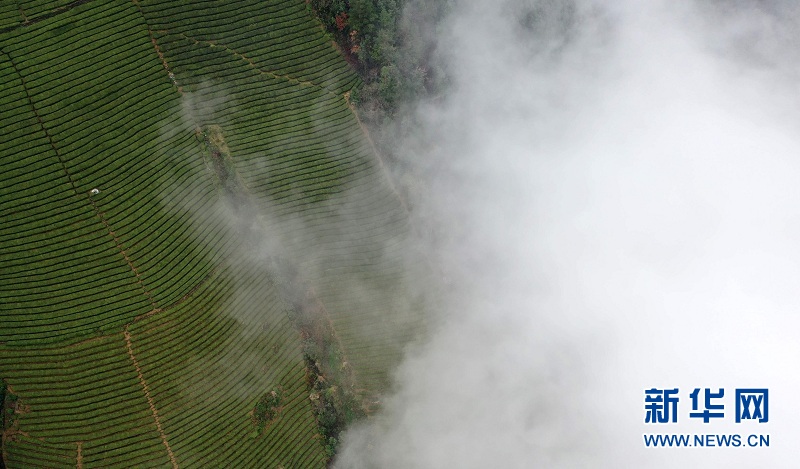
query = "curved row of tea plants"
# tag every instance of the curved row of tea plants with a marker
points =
(165, 166)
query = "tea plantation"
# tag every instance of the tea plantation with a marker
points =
(202, 260)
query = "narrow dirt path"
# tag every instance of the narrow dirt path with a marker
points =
(158, 49)
(124, 253)
(252, 64)
(150, 401)
(39, 120)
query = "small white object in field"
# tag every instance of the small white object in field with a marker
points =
(94, 191)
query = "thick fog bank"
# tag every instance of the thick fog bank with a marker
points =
(614, 192)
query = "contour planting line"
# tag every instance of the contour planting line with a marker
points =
(29, 21)
(152, 312)
(150, 401)
(180, 300)
(252, 64)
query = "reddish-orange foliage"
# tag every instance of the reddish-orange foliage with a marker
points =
(341, 21)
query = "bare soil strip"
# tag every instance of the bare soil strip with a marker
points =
(149, 398)
(158, 50)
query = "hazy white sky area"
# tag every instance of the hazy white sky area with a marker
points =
(617, 185)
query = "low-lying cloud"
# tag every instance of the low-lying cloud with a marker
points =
(614, 188)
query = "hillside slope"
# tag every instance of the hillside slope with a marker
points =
(194, 235)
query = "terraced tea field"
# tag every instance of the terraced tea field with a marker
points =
(192, 222)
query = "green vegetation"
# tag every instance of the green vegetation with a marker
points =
(391, 46)
(267, 409)
(11, 407)
(334, 406)
(390, 43)
(192, 219)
